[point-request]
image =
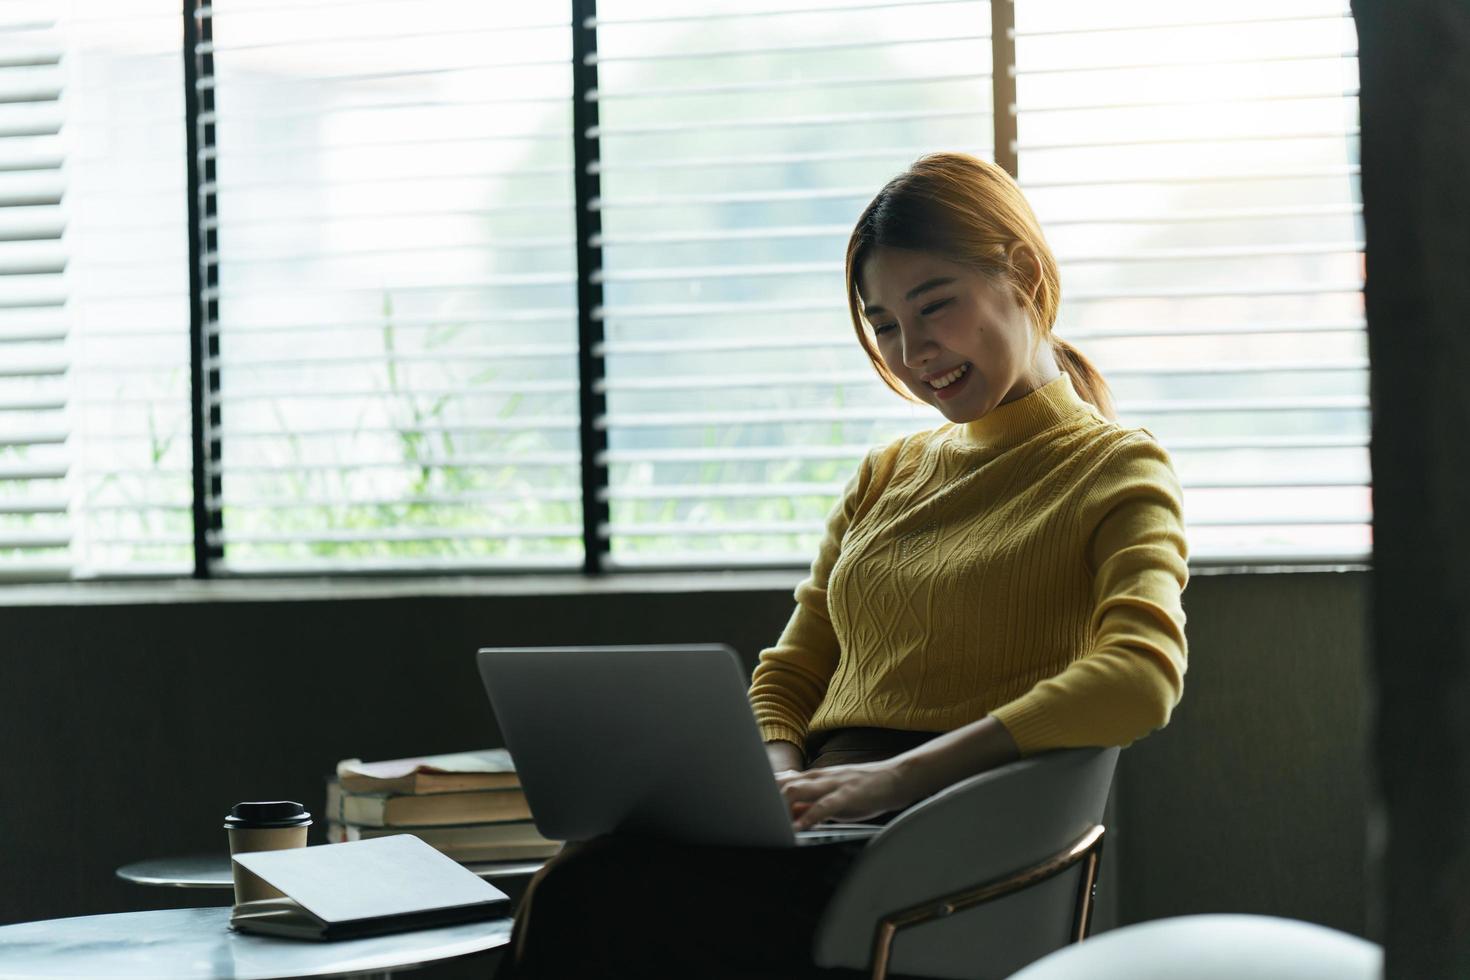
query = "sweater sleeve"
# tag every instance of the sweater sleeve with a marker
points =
(1128, 682)
(791, 678)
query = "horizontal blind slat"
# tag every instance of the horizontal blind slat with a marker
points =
(677, 274)
(738, 161)
(615, 457)
(464, 499)
(1204, 23)
(32, 471)
(805, 84)
(529, 459)
(29, 508)
(400, 565)
(32, 539)
(400, 536)
(780, 122)
(1211, 139)
(763, 12)
(844, 341)
(458, 355)
(1141, 407)
(1196, 101)
(816, 47)
(719, 382)
(1196, 62)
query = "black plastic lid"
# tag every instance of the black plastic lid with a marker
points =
(275, 813)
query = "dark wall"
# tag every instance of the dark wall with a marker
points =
(127, 730)
(1253, 798)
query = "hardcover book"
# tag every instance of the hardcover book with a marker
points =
(386, 810)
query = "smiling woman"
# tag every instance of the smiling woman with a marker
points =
(1004, 584)
(955, 340)
(953, 246)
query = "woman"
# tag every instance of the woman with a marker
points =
(1006, 583)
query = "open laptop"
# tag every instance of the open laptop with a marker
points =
(658, 740)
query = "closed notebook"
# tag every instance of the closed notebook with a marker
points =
(364, 888)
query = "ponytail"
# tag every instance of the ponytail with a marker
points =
(1087, 380)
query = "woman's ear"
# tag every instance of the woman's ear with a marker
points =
(1025, 268)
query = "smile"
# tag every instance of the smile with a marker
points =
(945, 380)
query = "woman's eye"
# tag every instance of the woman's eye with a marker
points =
(881, 328)
(933, 308)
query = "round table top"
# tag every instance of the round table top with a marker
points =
(197, 944)
(213, 871)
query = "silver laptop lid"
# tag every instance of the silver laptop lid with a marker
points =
(652, 739)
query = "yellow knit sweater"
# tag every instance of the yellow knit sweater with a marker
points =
(1027, 565)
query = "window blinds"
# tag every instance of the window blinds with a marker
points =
(35, 536)
(396, 289)
(392, 278)
(94, 422)
(737, 146)
(1196, 169)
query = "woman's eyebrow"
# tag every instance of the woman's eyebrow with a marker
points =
(922, 287)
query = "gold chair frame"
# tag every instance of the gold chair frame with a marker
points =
(1087, 848)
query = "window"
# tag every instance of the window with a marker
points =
(559, 285)
(94, 315)
(1197, 176)
(736, 149)
(396, 319)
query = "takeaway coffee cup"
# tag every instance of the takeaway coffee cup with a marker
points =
(263, 827)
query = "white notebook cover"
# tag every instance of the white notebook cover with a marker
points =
(369, 879)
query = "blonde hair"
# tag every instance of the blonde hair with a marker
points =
(969, 211)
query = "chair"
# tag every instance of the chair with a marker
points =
(1215, 947)
(979, 879)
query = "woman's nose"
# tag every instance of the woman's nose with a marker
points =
(917, 348)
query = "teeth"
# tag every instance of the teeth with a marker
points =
(946, 380)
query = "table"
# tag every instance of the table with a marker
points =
(213, 871)
(197, 944)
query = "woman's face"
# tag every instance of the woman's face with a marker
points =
(957, 341)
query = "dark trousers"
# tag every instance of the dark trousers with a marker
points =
(624, 906)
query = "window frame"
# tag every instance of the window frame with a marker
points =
(207, 449)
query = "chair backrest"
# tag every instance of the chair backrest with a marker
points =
(979, 830)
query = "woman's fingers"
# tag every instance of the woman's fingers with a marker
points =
(853, 792)
(814, 799)
(805, 787)
(813, 813)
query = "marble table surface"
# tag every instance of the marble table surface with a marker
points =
(198, 943)
(213, 871)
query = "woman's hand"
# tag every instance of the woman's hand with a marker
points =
(868, 789)
(846, 793)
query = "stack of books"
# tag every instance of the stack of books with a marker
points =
(467, 805)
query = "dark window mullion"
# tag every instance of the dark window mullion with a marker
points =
(1003, 83)
(199, 136)
(587, 186)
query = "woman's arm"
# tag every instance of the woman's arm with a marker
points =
(1129, 680)
(791, 677)
(865, 790)
(785, 756)
(956, 755)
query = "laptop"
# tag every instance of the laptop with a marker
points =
(653, 740)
